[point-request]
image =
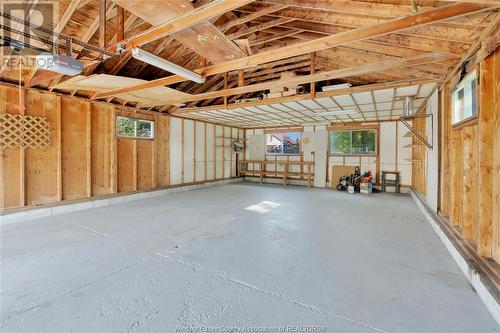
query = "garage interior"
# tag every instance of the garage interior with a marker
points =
(258, 165)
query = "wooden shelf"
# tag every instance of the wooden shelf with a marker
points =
(408, 134)
(413, 145)
(285, 174)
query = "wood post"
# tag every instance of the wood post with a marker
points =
(312, 71)
(486, 125)
(120, 24)
(102, 24)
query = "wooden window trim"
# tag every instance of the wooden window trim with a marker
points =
(360, 128)
(466, 122)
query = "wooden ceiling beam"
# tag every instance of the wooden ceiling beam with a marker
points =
(482, 2)
(274, 37)
(458, 33)
(322, 94)
(392, 39)
(353, 7)
(102, 24)
(252, 16)
(491, 29)
(259, 27)
(202, 38)
(428, 17)
(354, 57)
(120, 23)
(187, 20)
(321, 76)
(124, 57)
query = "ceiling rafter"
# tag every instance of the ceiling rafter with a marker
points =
(184, 21)
(338, 92)
(321, 76)
(438, 14)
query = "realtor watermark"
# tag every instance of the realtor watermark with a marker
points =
(27, 62)
(252, 329)
(20, 43)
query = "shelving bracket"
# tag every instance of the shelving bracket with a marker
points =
(415, 133)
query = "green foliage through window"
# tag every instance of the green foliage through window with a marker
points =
(144, 129)
(353, 142)
(134, 128)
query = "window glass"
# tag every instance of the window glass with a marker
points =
(283, 143)
(363, 142)
(134, 128)
(473, 86)
(340, 142)
(353, 142)
(125, 127)
(144, 129)
(465, 99)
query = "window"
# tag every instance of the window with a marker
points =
(353, 142)
(134, 128)
(465, 99)
(283, 144)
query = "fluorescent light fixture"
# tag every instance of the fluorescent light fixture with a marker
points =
(59, 63)
(336, 87)
(156, 61)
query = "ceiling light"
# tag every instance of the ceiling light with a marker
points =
(156, 61)
(336, 87)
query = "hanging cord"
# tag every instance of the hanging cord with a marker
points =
(21, 102)
(20, 90)
(414, 7)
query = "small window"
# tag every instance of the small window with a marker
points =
(465, 99)
(144, 129)
(353, 142)
(283, 144)
(134, 128)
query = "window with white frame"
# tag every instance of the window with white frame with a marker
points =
(283, 143)
(465, 99)
(134, 128)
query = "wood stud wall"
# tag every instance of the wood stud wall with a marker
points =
(419, 157)
(470, 172)
(85, 158)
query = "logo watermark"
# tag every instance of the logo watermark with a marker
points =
(250, 329)
(20, 43)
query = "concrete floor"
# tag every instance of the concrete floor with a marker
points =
(236, 255)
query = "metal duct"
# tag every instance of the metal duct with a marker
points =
(408, 106)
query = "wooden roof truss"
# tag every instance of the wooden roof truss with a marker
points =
(262, 39)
